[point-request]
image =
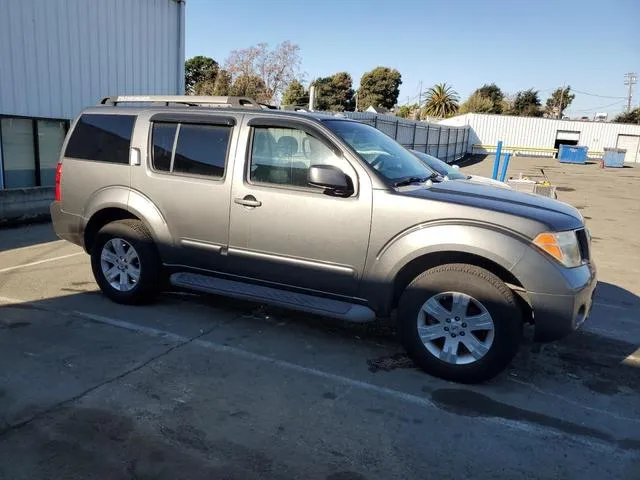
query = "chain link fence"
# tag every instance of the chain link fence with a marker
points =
(445, 142)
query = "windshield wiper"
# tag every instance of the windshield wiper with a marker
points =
(409, 180)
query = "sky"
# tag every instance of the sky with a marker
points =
(517, 44)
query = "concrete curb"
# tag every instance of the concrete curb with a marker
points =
(19, 206)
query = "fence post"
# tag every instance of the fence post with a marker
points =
(438, 146)
(375, 121)
(426, 142)
(415, 128)
(455, 148)
(448, 138)
(395, 136)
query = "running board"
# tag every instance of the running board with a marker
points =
(273, 296)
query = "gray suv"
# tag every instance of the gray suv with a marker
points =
(319, 214)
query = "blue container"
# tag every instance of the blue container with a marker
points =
(572, 154)
(614, 157)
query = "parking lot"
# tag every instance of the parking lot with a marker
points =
(199, 386)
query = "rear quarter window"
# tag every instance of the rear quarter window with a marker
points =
(102, 138)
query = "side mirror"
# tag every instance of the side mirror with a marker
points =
(330, 178)
(456, 167)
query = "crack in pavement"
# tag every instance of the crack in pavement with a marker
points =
(8, 427)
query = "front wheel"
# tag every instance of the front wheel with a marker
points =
(125, 262)
(460, 322)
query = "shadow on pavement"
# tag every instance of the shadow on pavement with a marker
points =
(25, 236)
(616, 295)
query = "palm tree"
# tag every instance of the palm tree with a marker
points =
(442, 101)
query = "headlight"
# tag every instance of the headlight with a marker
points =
(563, 246)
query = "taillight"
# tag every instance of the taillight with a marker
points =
(58, 183)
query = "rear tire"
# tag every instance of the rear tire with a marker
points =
(469, 319)
(126, 264)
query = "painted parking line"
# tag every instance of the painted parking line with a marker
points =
(39, 262)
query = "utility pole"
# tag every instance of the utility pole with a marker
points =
(630, 79)
(420, 95)
(560, 106)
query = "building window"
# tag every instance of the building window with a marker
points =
(51, 135)
(29, 150)
(18, 153)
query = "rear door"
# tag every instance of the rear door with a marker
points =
(187, 177)
(294, 234)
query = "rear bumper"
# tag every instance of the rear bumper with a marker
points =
(556, 315)
(66, 225)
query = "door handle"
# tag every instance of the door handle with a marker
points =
(248, 201)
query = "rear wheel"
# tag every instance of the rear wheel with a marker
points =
(125, 262)
(460, 322)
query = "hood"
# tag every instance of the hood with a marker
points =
(557, 216)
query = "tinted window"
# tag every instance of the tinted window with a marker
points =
(283, 156)
(162, 137)
(201, 149)
(103, 138)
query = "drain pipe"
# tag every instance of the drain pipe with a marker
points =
(181, 35)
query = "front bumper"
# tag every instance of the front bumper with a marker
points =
(560, 297)
(66, 225)
(556, 316)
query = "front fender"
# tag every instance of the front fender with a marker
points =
(498, 245)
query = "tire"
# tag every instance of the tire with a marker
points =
(149, 281)
(493, 340)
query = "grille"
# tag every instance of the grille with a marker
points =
(583, 243)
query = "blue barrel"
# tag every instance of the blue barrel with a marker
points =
(572, 154)
(614, 157)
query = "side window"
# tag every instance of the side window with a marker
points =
(162, 138)
(282, 156)
(200, 149)
(102, 138)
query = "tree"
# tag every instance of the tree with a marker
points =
(335, 93)
(379, 88)
(527, 104)
(276, 68)
(409, 111)
(222, 86)
(295, 94)
(199, 69)
(559, 100)
(494, 94)
(442, 101)
(250, 86)
(629, 117)
(478, 103)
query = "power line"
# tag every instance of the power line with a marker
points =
(595, 95)
(600, 107)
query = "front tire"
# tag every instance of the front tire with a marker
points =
(460, 322)
(125, 262)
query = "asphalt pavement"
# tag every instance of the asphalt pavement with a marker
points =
(199, 386)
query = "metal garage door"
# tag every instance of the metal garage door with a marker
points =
(631, 143)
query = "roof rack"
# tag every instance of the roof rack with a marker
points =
(190, 100)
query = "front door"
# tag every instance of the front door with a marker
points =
(284, 231)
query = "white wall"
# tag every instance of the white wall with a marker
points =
(538, 132)
(59, 56)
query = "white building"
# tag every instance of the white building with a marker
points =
(58, 57)
(542, 135)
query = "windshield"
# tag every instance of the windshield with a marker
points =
(439, 166)
(386, 156)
